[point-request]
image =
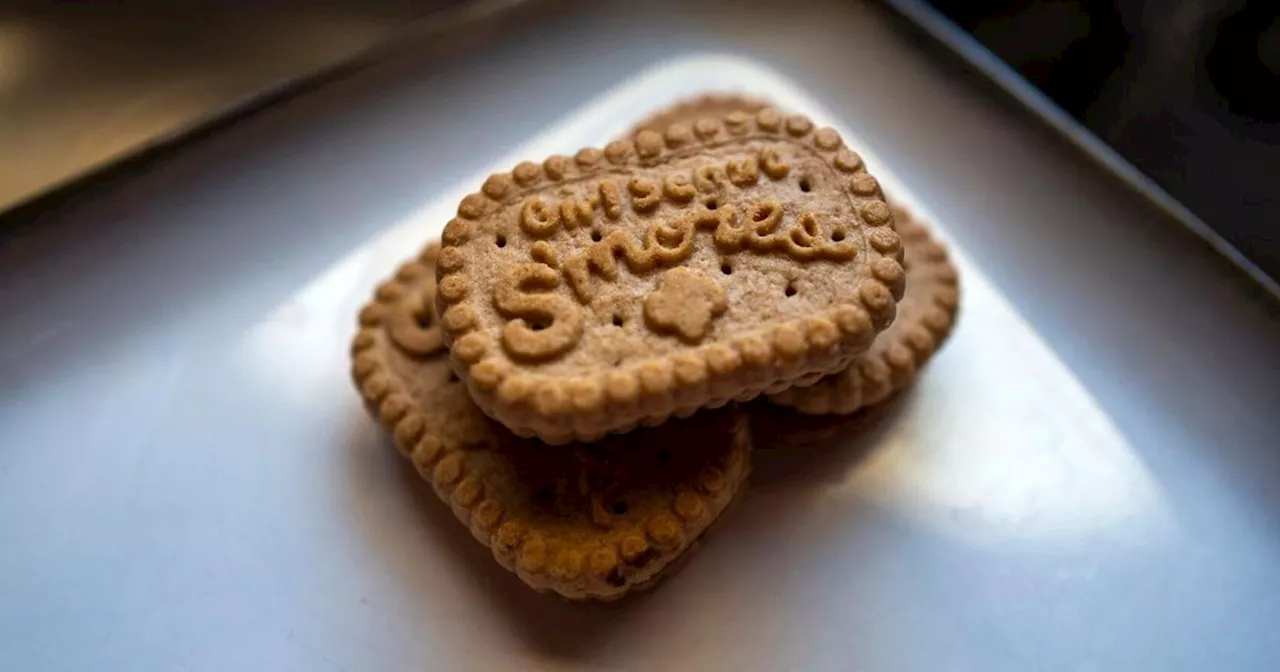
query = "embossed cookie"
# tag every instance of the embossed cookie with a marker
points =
(925, 317)
(690, 110)
(585, 521)
(777, 427)
(585, 295)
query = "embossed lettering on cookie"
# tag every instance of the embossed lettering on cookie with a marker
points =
(595, 521)
(715, 261)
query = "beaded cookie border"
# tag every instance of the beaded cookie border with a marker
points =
(600, 572)
(697, 106)
(899, 353)
(587, 407)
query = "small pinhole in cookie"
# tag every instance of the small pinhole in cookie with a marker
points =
(804, 184)
(726, 268)
(837, 235)
(596, 235)
(500, 240)
(424, 317)
(711, 203)
(618, 321)
(790, 290)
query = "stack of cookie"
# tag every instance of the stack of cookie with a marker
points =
(570, 366)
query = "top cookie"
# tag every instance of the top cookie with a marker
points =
(583, 296)
(926, 316)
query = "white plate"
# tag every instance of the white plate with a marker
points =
(282, 531)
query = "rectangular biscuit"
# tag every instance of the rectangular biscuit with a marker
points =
(588, 295)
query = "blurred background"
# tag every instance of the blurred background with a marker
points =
(86, 83)
(1186, 91)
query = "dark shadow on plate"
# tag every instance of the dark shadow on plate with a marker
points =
(816, 450)
(551, 625)
(795, 450)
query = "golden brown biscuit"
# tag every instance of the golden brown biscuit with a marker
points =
(901, 350)
(925, 319)
(690, 110)
(585, 521)
(712, 262)
(776, 427)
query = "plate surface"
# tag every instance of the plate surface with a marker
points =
(992, 519)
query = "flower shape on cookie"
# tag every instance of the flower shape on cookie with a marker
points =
(586, 521)
(685, 303)
(774, 209)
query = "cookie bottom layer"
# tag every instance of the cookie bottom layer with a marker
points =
(585, 521)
